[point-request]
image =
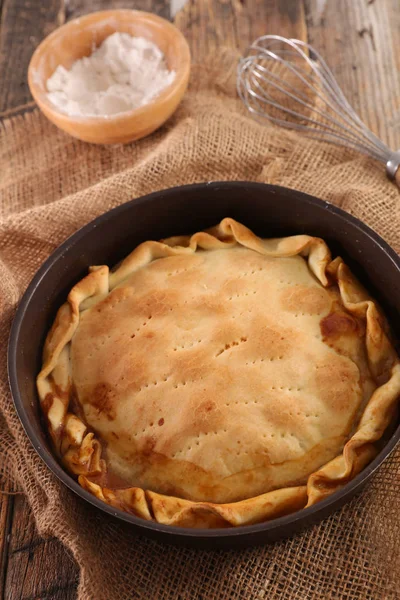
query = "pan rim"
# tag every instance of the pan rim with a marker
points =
(171, 531)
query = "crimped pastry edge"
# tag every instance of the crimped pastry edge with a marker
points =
(80, 451)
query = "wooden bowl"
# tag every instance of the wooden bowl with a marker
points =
(77, 39)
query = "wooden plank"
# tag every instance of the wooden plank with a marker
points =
(23, 24)
(37, 568)
(360, 41)
(6, 513)
(211, 24)
(76, 8)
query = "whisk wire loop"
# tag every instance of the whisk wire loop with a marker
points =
(263, 95)
(259, 94)
(289, 83)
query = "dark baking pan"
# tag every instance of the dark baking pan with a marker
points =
(269, 211)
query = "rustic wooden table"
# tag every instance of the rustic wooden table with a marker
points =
(360, 40)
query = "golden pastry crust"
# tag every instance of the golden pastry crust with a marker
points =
(218, 379)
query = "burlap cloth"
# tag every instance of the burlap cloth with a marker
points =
(51, 185)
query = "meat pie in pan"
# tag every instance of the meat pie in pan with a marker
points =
(218, 379)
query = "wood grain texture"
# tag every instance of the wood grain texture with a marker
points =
(23, 24)
(359, 39)
(75, 8)
(6, 519)
(36, 567)
(211, 24)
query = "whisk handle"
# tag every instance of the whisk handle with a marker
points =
(393, 167)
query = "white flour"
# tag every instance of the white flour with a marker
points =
(124, 73)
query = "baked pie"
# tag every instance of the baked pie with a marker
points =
(218, 379)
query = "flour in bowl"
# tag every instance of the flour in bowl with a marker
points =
(123, 74)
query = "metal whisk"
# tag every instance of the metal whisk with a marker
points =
(287, 82)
